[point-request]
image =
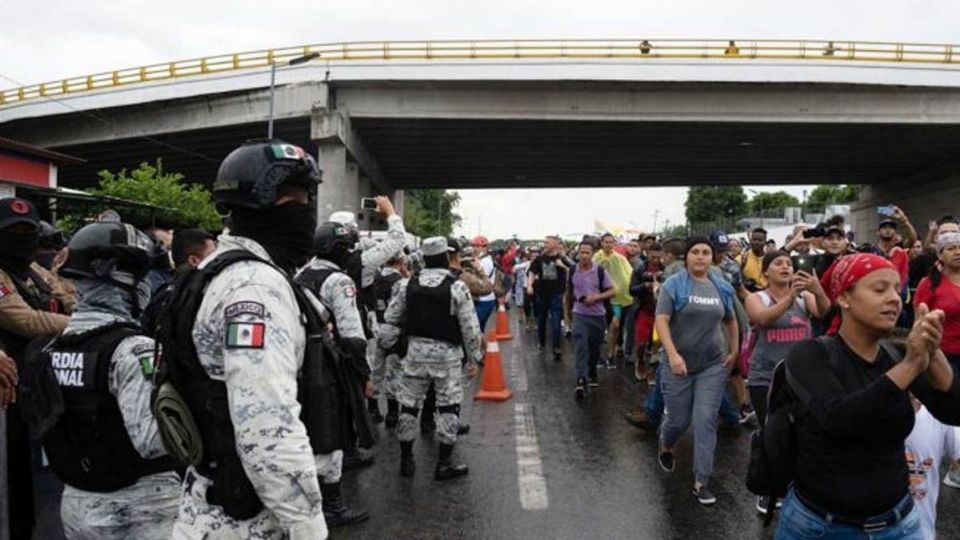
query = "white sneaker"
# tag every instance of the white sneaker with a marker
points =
(952, 479)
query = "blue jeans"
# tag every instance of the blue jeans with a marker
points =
(549, 310)
(797, 522)
(484, 310)
(729, 412)
(654, 404)
(694, 399)
(587, 341)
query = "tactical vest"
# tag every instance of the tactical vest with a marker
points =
(88, 445)
(206, 438)
(428, 311)
(383, 289)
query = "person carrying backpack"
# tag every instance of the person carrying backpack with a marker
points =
(849, 398)
(694, 304)
(589, 287)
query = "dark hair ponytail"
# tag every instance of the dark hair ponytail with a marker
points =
(935, 276)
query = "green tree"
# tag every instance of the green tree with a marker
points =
(430, 212)
(822, 196)
(777, 200)
(715, 203)
(191, 205)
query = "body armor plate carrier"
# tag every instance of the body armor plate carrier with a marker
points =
(68, 400)
(429, 311)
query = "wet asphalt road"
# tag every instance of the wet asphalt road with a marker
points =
(601, 476)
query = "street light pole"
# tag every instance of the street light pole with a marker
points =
(273, 78)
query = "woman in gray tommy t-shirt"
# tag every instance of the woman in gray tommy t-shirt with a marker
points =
(692, 308)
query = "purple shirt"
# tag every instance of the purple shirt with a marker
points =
(585, 283)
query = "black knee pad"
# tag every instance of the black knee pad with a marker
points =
(449, 409)
(412, 411)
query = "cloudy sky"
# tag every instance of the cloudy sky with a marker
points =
(53, 39)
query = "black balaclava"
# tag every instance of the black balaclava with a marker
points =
(285, 231)
(18, 251)
(341, 257)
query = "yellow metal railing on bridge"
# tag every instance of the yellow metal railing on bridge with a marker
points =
(640, 49)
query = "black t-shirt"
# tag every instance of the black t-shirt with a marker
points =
(551, 279)
(851, 455)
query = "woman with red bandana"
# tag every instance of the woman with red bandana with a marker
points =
(851, 478)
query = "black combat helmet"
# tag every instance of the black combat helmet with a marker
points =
(108, 251)
(332, 240)
(50, 236)
(250, 175)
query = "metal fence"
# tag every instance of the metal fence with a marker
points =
(533, 49)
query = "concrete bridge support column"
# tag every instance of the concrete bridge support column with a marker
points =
(340, 187)
(924, 198)
(350, 170)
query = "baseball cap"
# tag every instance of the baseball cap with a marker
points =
(481, 241)
(720, 241)
(834, 229)
(887, 223)
(454, 245)
(14, 210)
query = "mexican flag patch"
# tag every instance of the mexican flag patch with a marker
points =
(146, 366)
(245, 335)
(286, 151)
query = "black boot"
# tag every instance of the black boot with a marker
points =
(446, 468)
(393, 413)
(374, 407)
(335, 511)
(354, 459)
(407, 465)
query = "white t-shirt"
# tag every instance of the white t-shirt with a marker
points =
(486, 262)
(928, 443)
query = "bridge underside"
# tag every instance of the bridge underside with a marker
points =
(380, 136)
(474, 153)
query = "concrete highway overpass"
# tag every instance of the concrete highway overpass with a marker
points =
(388, 117)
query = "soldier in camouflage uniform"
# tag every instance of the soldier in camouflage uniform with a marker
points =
(249, 337)
(435, 312)
(363, 266)
(386, 366)
(119, 482)
(333, 244)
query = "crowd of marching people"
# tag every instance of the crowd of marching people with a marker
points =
(841, 355)
(190, 385)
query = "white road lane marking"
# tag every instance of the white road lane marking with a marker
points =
(533, 487)
(530, 480)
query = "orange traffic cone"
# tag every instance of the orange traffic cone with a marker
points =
(503, 324)
(492, 387)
